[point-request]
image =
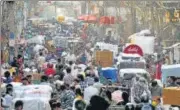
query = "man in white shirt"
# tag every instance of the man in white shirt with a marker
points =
(8, 97)
(89, 92)
(41, 60)
(97, 84)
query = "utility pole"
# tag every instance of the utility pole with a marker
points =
(133, 13)
(55, 8)
(152, 17)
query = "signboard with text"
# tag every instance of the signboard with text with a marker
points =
(172, 15)
(133, 49)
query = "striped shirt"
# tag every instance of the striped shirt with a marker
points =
(68, 79)
(66, 98)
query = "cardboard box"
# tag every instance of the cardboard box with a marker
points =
(171, 96)
(104, 58)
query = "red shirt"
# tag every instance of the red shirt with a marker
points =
(50, 71)
(158, 71)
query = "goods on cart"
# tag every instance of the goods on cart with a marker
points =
(170, 96)
(104, 58)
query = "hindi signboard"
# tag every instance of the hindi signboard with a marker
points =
(133, 49)
(172, 15)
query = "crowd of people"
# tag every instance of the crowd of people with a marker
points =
(78, 84)
(83, 90)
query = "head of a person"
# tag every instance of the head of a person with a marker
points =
(7, 74)
(144, 99)
(88, 75)
(78, 92)
(44, 78)
(80, 105)
(98, 103)
(76, 81)
(80, 77)
(29, 77)
(154, 83)
(96, 79)
(62, 88)
(25, 81)
(108, 94)
(109, 33)
(9, 86)
(59, 60)
(14, 59)
(40, 54)
(70, 63)
(60, 67)
(9, 91)
(19, 105)
(68, 70)
(19, 56)
(171, 79)
(58, 105)
(130, 107)
(51, 65)
(72, 88)
(125, 96)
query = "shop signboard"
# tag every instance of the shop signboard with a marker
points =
(133, 49)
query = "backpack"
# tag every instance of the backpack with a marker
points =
(147, 107)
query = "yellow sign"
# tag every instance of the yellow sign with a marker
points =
(172, 15)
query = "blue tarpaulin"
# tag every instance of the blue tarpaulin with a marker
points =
(110, 73)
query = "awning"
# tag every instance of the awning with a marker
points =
(88, 18)
(107, 20)
(82, 17)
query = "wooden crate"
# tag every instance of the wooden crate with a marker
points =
(171, 96)
(104, 58)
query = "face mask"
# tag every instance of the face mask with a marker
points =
(154, 103)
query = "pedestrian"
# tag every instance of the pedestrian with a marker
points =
(156, 90)
(40, 61)
(20, 64)
(97, 103)
(79, 103)
(59, 71)
(25, 81)
(145, 103)
(82, 82)
(14, 63)
(66, 97)
(29, 77)
(44, 80)
(49, 71)
(19, 105)
(138, 89)
(89, 92)
(171, 82)
(125, 97)
(8, 78)
(89, 79)
(97, 84)
(68, 78)
(8, 98)
(76, 83)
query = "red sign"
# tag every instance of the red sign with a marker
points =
(133, 49)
